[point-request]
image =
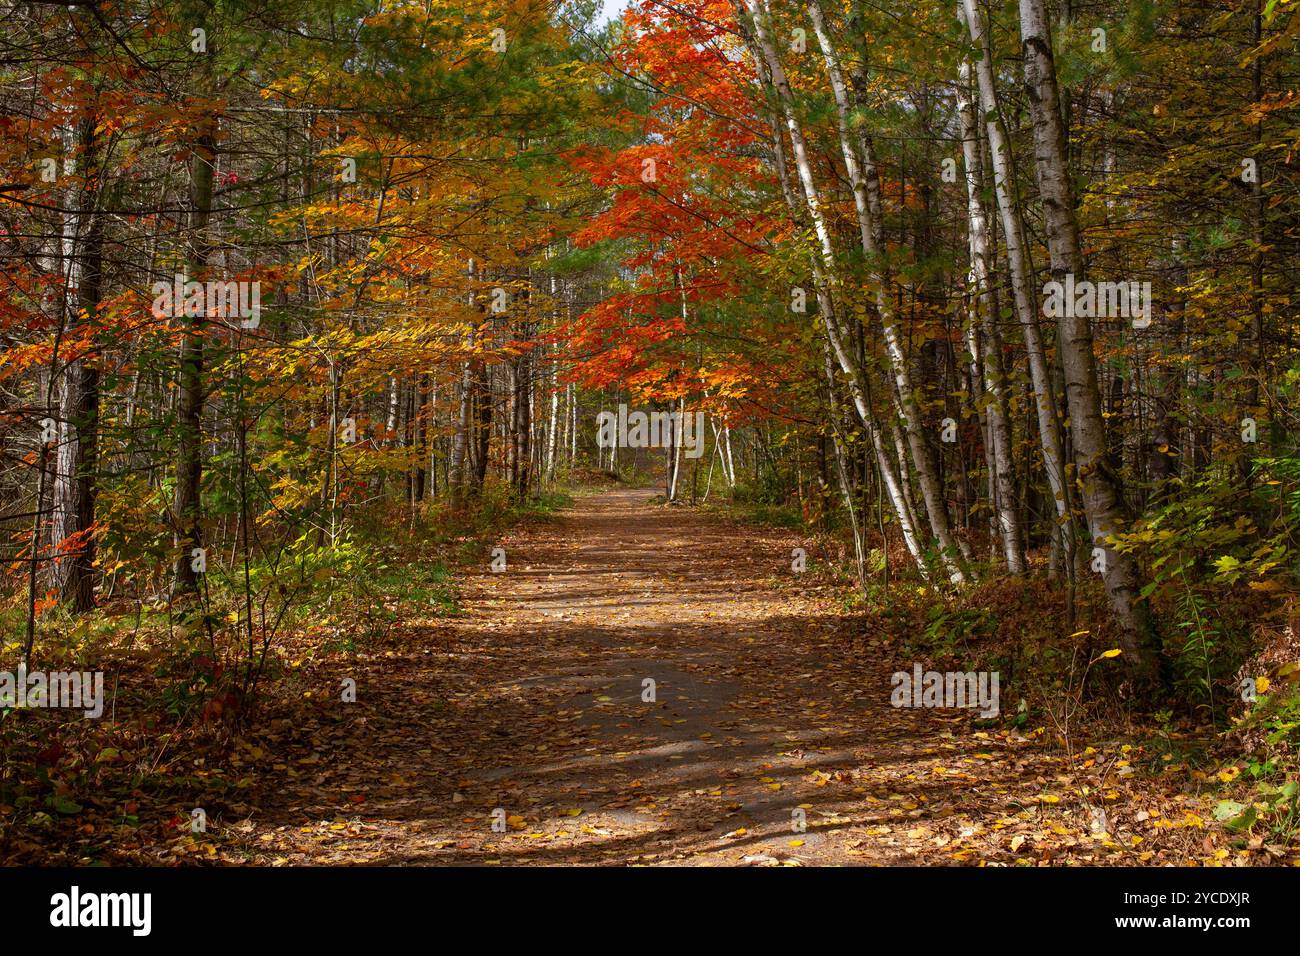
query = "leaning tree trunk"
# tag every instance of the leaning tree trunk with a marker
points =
(927, 471)
(824, 265)
(1101, 491)
(1049, 421)
(990, 369)
(894, 484)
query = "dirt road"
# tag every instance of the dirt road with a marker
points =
(770, 739)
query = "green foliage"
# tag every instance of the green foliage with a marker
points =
(770, 487)
(948, 628)
(1271, 729)
(1212, 557)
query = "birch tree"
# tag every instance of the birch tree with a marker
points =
(1100, 489)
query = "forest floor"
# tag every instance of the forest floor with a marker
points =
(529, 708)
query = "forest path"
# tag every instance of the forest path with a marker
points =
(531, 702)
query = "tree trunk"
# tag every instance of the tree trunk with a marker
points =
(74, 478)
(1101, 492)
(989, 371)
(1049, 422)
(878, 275)
(186, 504)
(772, 72)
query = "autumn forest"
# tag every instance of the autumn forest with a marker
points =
(675, 433)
